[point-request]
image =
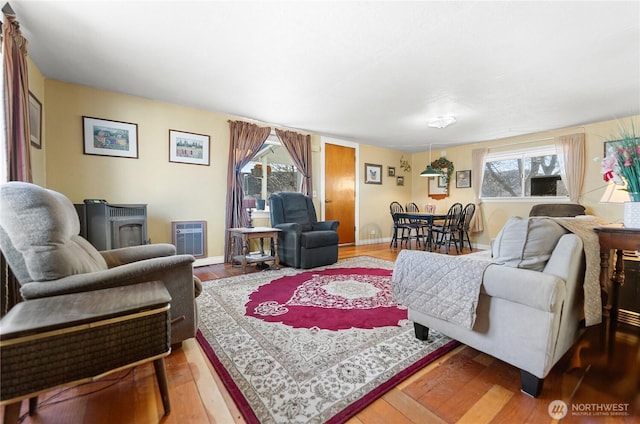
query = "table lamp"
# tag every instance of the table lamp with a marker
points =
(249, 203)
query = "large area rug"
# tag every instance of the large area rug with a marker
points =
(311, 346)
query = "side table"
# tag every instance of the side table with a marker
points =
(245, 235)
(74, 338)
(617, 238)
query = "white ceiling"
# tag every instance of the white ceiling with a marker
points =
(371, 72)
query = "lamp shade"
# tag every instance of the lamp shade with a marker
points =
(615, 193)
(249, 202)
(430, 172)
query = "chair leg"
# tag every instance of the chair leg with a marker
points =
(12, 412)
(394, 237)
(421, 332)
(33, 405)
(163, 386)
(530, 384)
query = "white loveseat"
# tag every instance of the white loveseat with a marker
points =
(528, 318)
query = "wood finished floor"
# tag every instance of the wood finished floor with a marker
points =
(464, 386)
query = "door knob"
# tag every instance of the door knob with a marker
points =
(327, 201)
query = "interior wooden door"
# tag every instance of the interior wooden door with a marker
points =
(340, 190)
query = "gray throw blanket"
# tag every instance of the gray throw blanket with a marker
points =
(584, 227)
(442, 286)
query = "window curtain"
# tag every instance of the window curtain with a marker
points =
(477, 162)
(571, 155)
(299, 147)
(245, 140)
(16, 99)
(15, 144)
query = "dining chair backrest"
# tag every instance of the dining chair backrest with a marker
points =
(453, 216)
(467, 214)
(395, 207)
(412, 207)
(430, 208)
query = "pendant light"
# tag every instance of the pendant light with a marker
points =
(429, 171)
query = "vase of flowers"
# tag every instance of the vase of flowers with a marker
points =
(622, 166)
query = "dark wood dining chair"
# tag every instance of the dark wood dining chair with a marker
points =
(422, 228)
(447, 232)
(401, 227)
(465, 223)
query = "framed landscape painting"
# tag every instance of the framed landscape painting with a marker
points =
(104, 137)
(185, 147)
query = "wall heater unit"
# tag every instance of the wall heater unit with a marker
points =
(190, 237)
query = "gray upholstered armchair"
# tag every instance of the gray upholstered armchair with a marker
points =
(39, 238)
(303, 242)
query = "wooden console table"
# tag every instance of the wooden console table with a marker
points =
(245, 235)
(618, 238)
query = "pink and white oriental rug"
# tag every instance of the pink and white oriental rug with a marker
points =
(311, 346)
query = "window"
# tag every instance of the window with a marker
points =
(270, 171)
(523, 174)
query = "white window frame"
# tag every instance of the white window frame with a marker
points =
(272, 140)
(521, 154)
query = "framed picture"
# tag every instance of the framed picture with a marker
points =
(442, 181)
(35, 121)
(372, 174)
(400, 180)
(185, 147)
(392, 171)
(104, 137)
(463, 179)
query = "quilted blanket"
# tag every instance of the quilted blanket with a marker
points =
(443, 286)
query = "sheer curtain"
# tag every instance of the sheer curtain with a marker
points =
(571, 155)
(245, 140)
(299, 147)
(477, 162)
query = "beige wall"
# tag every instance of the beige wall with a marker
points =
(374, 199)
(37, 88)
(176, 192)
(496, 213)
(172, 191)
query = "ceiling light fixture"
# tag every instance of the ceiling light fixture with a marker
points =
(442, 121)
(429, 171)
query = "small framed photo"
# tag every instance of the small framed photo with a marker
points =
(392, 171)
(400, 180)
(35, 121)
(372, 174)
(186, 147)
(442, 181)
(104, 137)
(463, 179)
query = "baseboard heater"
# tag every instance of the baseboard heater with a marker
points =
(190, 238)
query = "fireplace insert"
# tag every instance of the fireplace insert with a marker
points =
(111, 226)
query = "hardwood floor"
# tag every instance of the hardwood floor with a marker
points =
(464, 386)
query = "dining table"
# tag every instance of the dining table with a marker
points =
(425, 219)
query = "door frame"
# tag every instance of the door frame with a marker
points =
(356, 171)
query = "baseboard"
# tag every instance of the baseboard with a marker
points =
(210, 260)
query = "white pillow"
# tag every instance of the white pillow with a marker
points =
(526, 242)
